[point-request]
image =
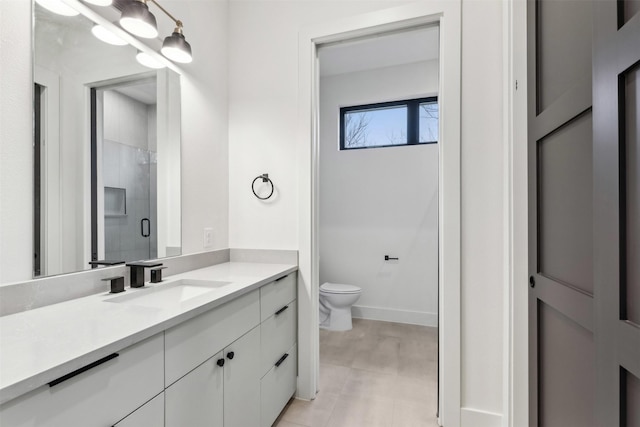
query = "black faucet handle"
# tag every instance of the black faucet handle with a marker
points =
(117, 284)
(137, 271)
(156, 274)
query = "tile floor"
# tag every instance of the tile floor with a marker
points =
(379, 374)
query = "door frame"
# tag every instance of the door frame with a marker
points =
(448, 15)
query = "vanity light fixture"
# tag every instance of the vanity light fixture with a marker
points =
(149, 61)
(175, 47)
(58, 7)
(107, 35)
(138, 20)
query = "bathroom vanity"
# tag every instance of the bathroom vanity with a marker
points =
(215, 347)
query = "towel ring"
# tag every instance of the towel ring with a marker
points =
(265, 178)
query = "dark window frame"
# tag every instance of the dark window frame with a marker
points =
(413, 120)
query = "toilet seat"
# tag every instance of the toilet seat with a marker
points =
(339, 288)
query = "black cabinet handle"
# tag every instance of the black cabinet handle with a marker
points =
(281, 278)
(230, 355)
(279, 362)
(83, 369)
(220, 362)
(282, 309)
(532, 282)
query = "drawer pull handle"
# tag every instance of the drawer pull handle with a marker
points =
(230, 355)
(279, 362)
(83, 369)
(220, 362)
(282, 309)
(281, 278)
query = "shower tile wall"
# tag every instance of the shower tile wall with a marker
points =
(127, 163)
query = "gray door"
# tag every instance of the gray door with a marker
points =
(584, 197)
(616, 165)
(562, 349)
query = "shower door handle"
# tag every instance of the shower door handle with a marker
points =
(142, 227)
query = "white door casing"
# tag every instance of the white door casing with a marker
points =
(448, 15)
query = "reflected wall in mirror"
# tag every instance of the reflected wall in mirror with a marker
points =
(106, 150)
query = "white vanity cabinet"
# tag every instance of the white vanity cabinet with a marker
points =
(232, 366)
(278, 355)
(223, 391)
(197, 399)
(151, 414)
(98, 396)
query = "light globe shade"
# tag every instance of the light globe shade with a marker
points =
(137, 19)
(149, 61)
(176, 48)
(100, 2)
(58, 7)
(107, 36)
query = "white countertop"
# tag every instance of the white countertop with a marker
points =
(40, 345)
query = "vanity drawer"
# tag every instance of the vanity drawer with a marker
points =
(277, 335)
(277, 387)
(277, 294)
(100, 396)
(189, 344)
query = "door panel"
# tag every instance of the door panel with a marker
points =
(565, 204)
(616, 55)
(566, 370)
(560, 150)
(242, 381)
(564, 47)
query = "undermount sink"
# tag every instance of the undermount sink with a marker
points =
(170, 294)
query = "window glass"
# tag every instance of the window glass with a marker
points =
(429, 114)
(389, 124)
(375, 127)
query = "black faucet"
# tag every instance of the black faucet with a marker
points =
(137, 271)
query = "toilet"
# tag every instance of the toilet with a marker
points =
(336, 300)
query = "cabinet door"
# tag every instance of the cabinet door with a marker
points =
(151, 414)
(196, 400)
(96, 397)
(242, 381)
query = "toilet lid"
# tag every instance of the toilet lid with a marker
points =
(339, 288)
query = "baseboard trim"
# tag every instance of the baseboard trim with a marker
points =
(475, 418)
(394, 315)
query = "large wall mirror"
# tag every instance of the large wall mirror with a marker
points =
(106, 147)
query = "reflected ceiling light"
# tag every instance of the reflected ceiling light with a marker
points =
(149, 61)
(58, 6)
(100, 2)
(137, 19)
(175, 47)
(107, 35)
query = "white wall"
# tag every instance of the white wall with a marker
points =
(262, 138)
(204, 130)
(263, 96)
(380, 201)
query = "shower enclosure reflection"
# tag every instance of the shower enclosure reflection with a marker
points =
(129, 172)
(133, 140)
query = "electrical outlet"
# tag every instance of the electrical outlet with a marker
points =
(207, 241)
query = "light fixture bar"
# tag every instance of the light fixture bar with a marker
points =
(166, 12)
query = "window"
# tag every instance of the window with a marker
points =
(389, 124)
